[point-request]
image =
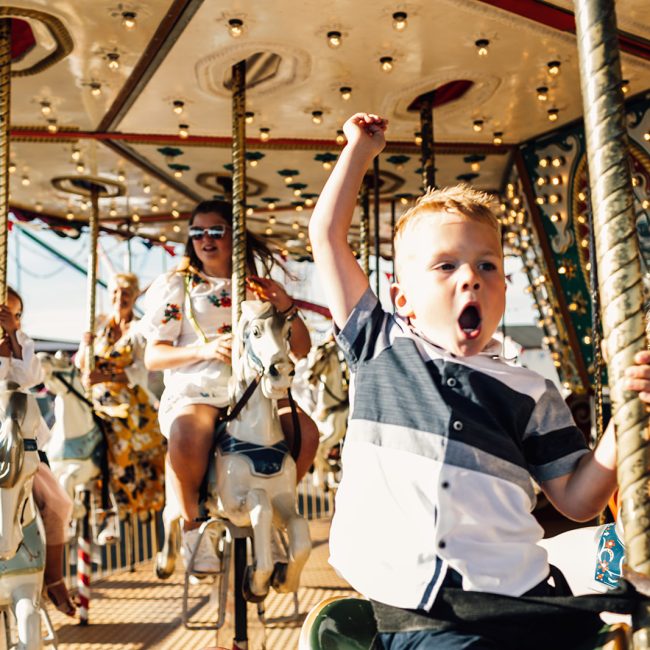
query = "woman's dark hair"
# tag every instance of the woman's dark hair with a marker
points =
(11, 292)
(256, 248)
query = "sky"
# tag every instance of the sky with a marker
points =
(55, 294)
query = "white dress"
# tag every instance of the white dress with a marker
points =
(189, 309)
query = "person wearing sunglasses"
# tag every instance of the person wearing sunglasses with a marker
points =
(187, 323)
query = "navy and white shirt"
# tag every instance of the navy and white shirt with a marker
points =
(437, 465)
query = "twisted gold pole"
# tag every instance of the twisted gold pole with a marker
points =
(426, 129)
(619, 273)
(93, 227)
(238, 189)
(5, 112)
(364, 228)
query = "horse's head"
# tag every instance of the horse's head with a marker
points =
(19, 421)
(263, 348)
(321, 361)
(58, 369)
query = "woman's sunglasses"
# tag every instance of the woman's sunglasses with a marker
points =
(213, 232)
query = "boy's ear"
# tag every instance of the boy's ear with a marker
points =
(399, 299)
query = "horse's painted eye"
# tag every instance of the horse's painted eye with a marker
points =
(257, 332)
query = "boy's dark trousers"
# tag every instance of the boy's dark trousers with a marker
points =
(545, 617)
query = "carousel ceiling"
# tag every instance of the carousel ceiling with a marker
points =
(139, 93)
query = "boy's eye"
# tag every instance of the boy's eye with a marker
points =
(488, 266)
(446, 266)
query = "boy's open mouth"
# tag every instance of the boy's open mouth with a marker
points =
(470, 321)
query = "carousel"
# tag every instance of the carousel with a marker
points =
(117, 118)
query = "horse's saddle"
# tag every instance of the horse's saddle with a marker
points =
(265, 461)
(87, 446)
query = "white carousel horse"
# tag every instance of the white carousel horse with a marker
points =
(22, 549)
(326, 375)
(75, 445)
(255, 473)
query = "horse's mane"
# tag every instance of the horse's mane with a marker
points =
(12, 448)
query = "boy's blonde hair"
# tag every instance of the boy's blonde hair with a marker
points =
(125, 281)
(458, 199)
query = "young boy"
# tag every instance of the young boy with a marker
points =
(444, 435)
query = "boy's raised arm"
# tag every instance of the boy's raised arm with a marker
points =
(343, 280)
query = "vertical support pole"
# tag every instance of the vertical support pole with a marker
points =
(364, 228)
(238, 189)
(376, 206)
(128, 257)
(5, 118)
(619, 271)
(238, 296)
(392, 237)
(84, 562)
(426, 128)
(93, 227)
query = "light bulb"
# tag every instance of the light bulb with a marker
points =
(386, 63)
(646, 136)
(553, 114)
(113, 60)
(299, 208)
(498, 138)
(154, 207)
(309, 202)
(249, 116)
(340, 137)
(301, 235)
(146, 188)
(162, 238)
(346, 92)
(252, 163)
(553, 68)
(327, 165)
(128, 20)
(625, 86)
(178, 173)
(295, 225)
(272, 220)
(176, 228)
(288, 179)
(334, 39)
(475, 166)
(163, 199)
(46, 108)
(235, 27)
(12, 167)
(268, 231)
(265, 134)
(400, 21)
(175, 213)
(38, 207)
(135, 217)
(121, 177)
(542, 93)
(95, 88)
(80, 167)
(183, 131)
(69, 216)
(482, 46)
(558, 161)
(112, 212)
(317, 117)
(52, 126)
(24, 181)
(272, 207)
(178, 106)
(477, 125)
(296, 192)
(249, 212)
(417, 138)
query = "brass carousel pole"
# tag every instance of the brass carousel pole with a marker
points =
(5, 110)
(619, 274)
(91, 299)
(238, 296)
(426, 129)
(364, 228)
(375, 205)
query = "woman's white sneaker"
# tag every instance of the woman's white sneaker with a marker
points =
(205, 560)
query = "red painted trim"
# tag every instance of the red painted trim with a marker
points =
(564, 21)
(312, 306)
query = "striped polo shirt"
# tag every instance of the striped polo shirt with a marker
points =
(437, 465)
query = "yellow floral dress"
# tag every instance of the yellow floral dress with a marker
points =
(136, 448)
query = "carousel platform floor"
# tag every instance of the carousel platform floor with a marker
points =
(136, 611)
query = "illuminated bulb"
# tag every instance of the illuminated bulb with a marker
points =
(175, 213)
(584, 243)
(340, 137)
(271, 206)
(265, 134)
(174, 204)
(308, 248)
(645, 204)
(249, 116)
(553, 114)
(417, 138)
(135, 217)
(543, 162)
(482, 46)
(295, 225)
(46, 107)
(235, 27)
(556, 180)
(553, 68)
(121, 176)
(334, 39)
(301, 235)
(400, 21)
(477, 125)
(52, 126)
(542, 93)
(582, 196)
(12, 167)
(555, 217)
(69, 216)
(317, 117)
(475, 166)
(112, 212)
(268, 231)
(540, 200)
(346, 92)
(163, 199)
(625, 86)
(146, 188)
(162, 238)
(95, 88)
(327, 165)
(272, 219)
(80, 167)
(586, 340)
(284, 252)
(386, 63)
(403, 200)
(541, 181)
(128, 20)
(113, 60)
(498, 138)
(38, 207)
(309, 202)
(557, 162)
(252, 163)
(296, 192)
(176, 228)
(154, 207)
(178, 106)
(588, 266)
(288, 179)
(582, 218)
(561, 270)
(646, 136)
(249, 212)
(183, 131)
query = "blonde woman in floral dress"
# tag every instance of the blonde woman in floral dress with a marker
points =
(187, 323)
(136, 449)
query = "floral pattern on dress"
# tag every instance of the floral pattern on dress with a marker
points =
(224, 329)
(222, 300)
(172, 312)
(136, 448)
(196, 279)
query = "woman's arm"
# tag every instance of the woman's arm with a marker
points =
(163, 355)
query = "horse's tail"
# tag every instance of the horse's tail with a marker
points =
(12, 448)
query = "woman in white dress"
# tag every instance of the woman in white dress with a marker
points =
(187, 323)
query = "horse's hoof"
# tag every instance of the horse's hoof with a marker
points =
(279, 575)
(247, 592)
(162, 571)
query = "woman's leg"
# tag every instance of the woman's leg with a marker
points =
(308, 436)
(190, 441)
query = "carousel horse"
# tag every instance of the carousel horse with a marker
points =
(255, 482)
(326, 374)
(76, 445)
(22, 549)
